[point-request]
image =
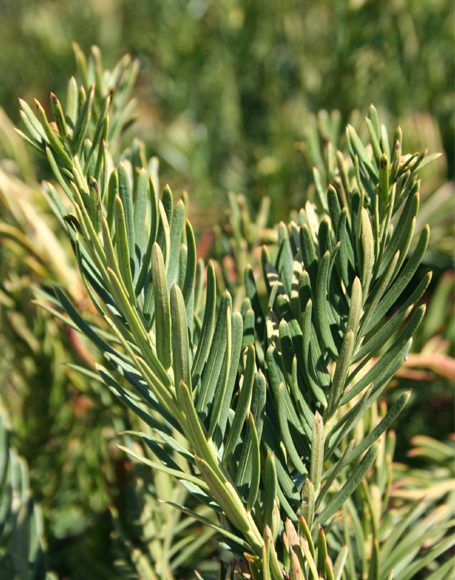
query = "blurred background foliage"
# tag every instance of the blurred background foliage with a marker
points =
(228, 87)
(229, 99)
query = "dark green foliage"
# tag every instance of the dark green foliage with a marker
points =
(22, 548)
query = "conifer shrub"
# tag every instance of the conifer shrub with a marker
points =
(254, 390)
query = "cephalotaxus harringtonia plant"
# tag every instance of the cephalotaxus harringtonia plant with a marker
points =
(257, 413)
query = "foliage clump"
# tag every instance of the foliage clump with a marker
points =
(255, 413)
